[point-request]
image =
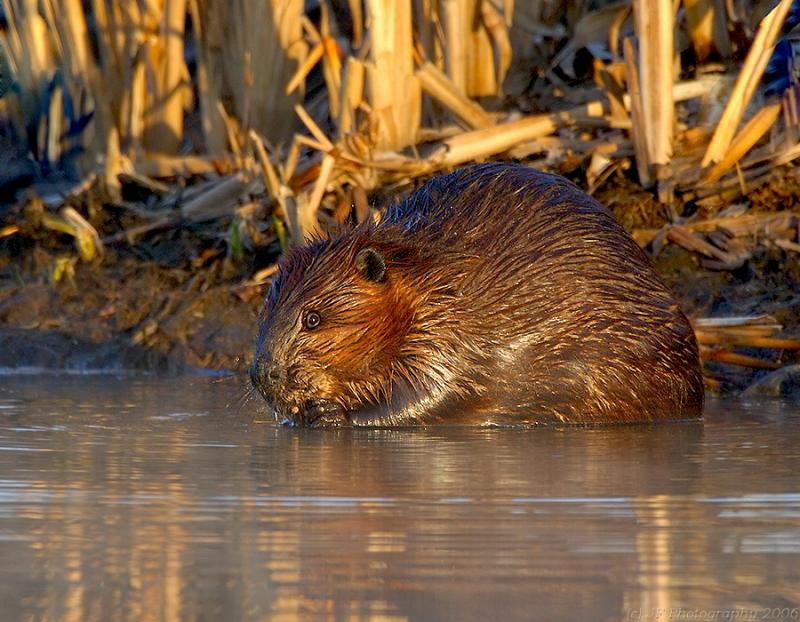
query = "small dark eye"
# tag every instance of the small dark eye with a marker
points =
(312, 320)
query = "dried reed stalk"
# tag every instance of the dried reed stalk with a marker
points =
(753, 331)
(30, 49)
(394, 89)
(653, 23)
(749, 77)
(760, 225)
(477, 47)
(496, 24)
(164, 118)
(209, 86)
(683, 236)
(758, 323)
(747, 340)
(787, 245)
(352, 96)
(429, 29)
(281, 194)
(331, 62)
(734, 358)
(611, 79)
(749, 135)
(639, 129)
(481, 77)
(482, 143)
(707, 28)
(184, 166)
(456, 19)
(220, 200)
(249, 51)
(438, 85)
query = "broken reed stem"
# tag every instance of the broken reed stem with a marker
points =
(331, 63)
(218, 201)
(208, 86)
(271, 181)
(496, 24)
(481, 78)
(750, 134)
(639, 129)
(441, 88)
(653, 23)
(325, 173)
(746, 340)
(734, 358)
(716, 335)
(280, 193)
(741, 322)
(312, 127)
(305, 68)
(705, 20)
(481, 143)
(353, 95)
(454, 20)
(749, 77)
(166, 130)
(395, 94)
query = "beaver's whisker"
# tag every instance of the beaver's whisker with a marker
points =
(245, 398)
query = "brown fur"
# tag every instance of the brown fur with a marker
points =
(509, 296)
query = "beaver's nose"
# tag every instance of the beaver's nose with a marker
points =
(267, 373)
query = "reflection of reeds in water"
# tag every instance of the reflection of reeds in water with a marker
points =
(129, 514)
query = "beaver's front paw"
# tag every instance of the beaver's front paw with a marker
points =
(319, 413)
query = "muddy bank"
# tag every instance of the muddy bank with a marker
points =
(122, 314)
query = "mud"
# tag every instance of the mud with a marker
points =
(122, 313)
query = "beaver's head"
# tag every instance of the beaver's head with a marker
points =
(332, 328)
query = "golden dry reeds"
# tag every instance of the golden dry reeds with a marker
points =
(400, 89)
(136, 84)
(718, 338)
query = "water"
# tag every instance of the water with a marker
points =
(143, 499)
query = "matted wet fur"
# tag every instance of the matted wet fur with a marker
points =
(495, 294)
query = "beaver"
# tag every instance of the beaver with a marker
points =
(496, 294)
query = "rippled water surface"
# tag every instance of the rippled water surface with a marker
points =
(146, 499)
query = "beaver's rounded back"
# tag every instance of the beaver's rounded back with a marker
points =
(495, 294)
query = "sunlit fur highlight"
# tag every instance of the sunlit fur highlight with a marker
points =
(510, 296)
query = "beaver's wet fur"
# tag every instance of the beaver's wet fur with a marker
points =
(496, 294)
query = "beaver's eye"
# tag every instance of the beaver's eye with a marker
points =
(312, 320)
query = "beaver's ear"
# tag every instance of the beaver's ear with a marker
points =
(371, 264)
